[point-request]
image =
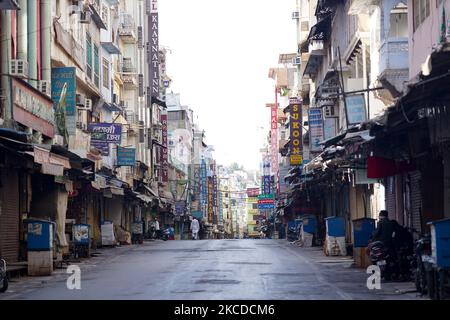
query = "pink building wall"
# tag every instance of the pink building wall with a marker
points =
(427, 35)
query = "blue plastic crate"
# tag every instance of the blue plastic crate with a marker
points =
(362, 231)
(39, 235)
(335, 226)
(310, 224)
(440, 242)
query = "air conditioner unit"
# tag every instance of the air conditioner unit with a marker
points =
(45, 87)
(88, 104)
(330, 112)
(296, 61)
(295, 15)
(18, 68)
(85, 17)
(81, 99)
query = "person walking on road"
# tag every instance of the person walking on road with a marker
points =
(195, 228)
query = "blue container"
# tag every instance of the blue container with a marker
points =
(362, 231)
(80, 233)
(39, 235)
(440, 242)
(309, 224)
(335, 226)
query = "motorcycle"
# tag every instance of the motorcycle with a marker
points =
(263, 231)
(3, 276)
(379, 255)
(422, 263)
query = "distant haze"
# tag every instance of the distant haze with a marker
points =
(221, 52)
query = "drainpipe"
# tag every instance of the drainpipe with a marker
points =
(22, 31)
(6, 55)
(32, 41)
(46, 18)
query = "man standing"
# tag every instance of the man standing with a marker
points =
(195, 228)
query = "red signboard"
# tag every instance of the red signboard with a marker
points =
(164, 152)
(33, 109)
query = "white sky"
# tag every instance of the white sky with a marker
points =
(221, 52)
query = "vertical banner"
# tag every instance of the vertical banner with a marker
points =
(295, 132)
(274, 138)
(210, 200)
(204, 187)
(154, 48)
(315, 121)
(164, 150)
(65, 78)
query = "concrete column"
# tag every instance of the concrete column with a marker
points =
(46, 34)
(22, 30)
(32, 41)
(6, 55)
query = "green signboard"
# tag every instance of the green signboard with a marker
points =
(266, 196)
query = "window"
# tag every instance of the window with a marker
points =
(96, 67)
(105, 73)
(89, 55)
(421, 10)
(105, 15)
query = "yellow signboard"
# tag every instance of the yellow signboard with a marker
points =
(296, 160)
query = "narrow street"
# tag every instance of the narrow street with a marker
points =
(210, 269)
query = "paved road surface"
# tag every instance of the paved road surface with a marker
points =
(209, 269)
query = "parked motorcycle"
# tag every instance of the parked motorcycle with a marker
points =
(422, 263)
(3, 276)
(379, 255)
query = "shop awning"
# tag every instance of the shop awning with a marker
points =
(150, 190)
(378, 167)
(321, 30)
(9, 5)
(110, 47)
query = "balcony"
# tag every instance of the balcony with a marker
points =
(127, 28)
(128, 74)
(394, 61)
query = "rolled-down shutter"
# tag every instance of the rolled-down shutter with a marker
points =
(9, 215)
(416, 201)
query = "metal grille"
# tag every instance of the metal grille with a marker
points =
(9, 216)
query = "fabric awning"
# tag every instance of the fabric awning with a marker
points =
(321, 29)
(378, 167)
(153, 193)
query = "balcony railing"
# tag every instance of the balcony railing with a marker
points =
(127, 28)
(394, 54)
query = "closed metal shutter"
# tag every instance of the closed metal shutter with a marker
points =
(9, 215)
(391, 206)
(416, 201)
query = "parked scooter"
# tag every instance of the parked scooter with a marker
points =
(3, 276)
(422, 264)
(380, 256)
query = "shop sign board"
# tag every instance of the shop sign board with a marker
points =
(126, 157)
(356, 109)
(315, 121)
(295, 126)
(104, 134)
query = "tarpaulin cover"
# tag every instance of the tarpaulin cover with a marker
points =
(378, 167)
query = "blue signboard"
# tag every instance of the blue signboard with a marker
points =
(126, 156)
(265, 206)
(60, 76)
(315, 122)
(266, 184)
(356, 109)
(103, 134)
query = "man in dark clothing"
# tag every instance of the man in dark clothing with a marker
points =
(385, 231)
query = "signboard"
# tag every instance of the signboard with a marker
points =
(266, 206)
(60, 76)
(266, 184)
(104, 134)
(126, 157)
(356, 109)
(32, 109)
(274, 138)
(266, 197)
(252, 192)
(164, 150)
(295, 126)
(180, 208)
(315, 121)
(154, 48)
(329, 128)
(215, 191)
(210, 200)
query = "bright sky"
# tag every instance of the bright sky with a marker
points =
(221, 52)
